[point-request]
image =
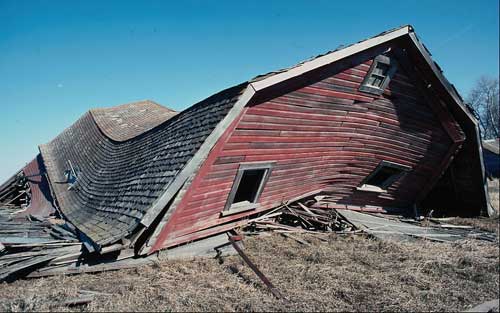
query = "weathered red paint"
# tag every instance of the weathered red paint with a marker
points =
(41, 199)
(322, 137)
(196, 181)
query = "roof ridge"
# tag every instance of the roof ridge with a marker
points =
(261, 77)
(132, 103)
(126, 121)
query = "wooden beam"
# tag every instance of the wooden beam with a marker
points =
(254, 268)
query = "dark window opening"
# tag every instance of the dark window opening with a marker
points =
(249, 185)
(379, 75)
(383, 176)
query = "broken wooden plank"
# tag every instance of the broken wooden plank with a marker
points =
(93, 292)
(389, 228)
(488, 306)
(254, 268)
(82, 300)
(305, 208)
(454, 226)
(23, 265)
(301, 241)
(9, 241)
(100, 267)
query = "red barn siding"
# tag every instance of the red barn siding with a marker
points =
(327, 136)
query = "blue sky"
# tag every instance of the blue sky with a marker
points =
(60, 58)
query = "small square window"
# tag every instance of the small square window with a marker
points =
(383, 176)
(379, 75)
(247, 187)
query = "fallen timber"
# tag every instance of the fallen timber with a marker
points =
(31, 246)
(254, 268)
(318, 216)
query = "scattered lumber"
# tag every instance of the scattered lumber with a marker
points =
(30, 242)
(31, 246)
(321, 215)
(300, 217)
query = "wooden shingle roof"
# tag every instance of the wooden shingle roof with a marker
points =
(126, 121)
(118, 181)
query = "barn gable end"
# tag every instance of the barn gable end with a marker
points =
(323, 134)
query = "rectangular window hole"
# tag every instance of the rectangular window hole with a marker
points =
(249, 185)
(383, 176)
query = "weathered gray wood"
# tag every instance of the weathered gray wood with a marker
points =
(56, 250)
(488, 306)
(254, 268)
(385, 228)
(208, 247)
(82, 300)
(105, 266)
(31, 262)
(9, 241)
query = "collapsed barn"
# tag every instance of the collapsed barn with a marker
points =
(373, 126)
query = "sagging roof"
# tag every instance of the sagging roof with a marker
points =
(126, 121)
(128, 174)
(118, 181)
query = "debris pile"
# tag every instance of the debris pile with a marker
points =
(31, 246)
(14, 193)
(314, 216)
(301, 217)
(30, 242)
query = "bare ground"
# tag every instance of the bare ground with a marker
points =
(352, 273)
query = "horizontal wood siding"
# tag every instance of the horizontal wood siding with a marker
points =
(327, 136)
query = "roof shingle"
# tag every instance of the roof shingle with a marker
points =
(118, 181)
(126, 121)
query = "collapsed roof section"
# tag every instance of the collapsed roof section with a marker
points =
(114, 183)
(29, 191)
(117, 168)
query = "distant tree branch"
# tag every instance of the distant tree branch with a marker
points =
(483, 98)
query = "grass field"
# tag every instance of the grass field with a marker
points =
(352, 273)
(493, 190)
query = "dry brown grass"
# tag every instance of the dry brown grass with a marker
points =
(493, 190)
(344, 274)
(483, 223)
